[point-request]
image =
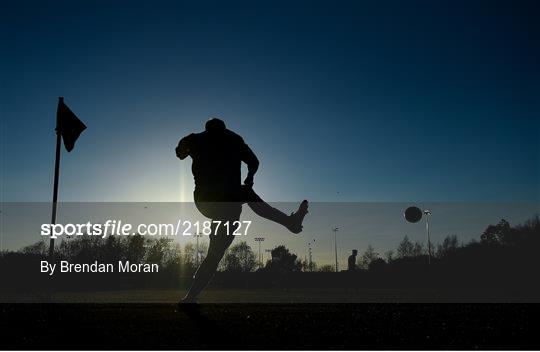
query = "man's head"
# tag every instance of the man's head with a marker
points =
(354, 252)
(215, 125)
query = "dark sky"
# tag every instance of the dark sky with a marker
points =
(341, 100)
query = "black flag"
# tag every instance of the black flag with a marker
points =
(68, 125)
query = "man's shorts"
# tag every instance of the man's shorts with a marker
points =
(224, 206)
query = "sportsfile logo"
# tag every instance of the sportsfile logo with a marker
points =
(120, 228)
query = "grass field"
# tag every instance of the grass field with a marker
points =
(306, 295)
(272, 318)
(370, 326)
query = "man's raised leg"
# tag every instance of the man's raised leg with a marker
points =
(292, 222)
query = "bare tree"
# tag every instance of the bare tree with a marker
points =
(405, 248)
(368, 256)
(239, 258)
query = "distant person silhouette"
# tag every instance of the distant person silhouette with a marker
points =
(217, 155)
(352, 261)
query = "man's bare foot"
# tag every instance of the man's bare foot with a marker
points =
(296, 219)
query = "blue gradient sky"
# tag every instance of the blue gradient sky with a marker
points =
(342, 101)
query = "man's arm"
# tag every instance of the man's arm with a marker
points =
(252, 163)
(184, 147)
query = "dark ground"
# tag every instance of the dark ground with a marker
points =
(313, 326)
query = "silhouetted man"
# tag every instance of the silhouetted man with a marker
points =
(352, 261)
(217, 155)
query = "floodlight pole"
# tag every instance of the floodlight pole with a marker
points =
(260, 239)
(197, 235)
(335, 229)
(427, 213)
(310, 252)
(268, 251)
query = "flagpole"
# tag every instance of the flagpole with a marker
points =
(55, 188)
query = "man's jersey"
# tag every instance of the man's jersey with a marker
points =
(217, 160)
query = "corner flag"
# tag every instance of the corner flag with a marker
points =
(68, 128)
(68, 125)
